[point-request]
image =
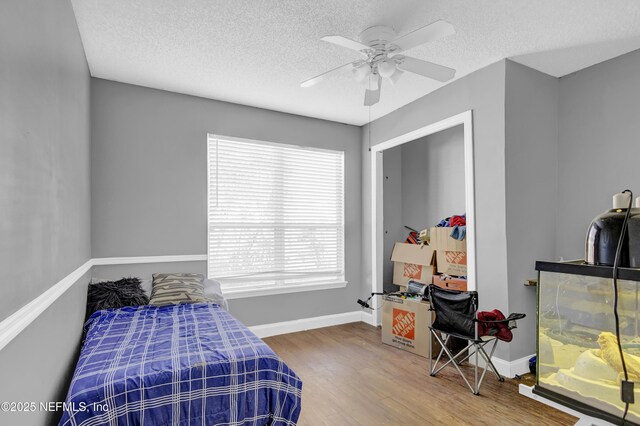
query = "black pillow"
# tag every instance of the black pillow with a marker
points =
(115, 294)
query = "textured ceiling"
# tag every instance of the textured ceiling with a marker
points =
(257, 52)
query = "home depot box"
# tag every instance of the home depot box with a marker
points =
(412, 262)
(451, 283)
(451, 254)
(405, 325)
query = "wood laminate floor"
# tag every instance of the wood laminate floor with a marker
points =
(351, 378)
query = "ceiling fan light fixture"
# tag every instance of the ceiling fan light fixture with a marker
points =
(387, 68)
(396, 76)
(361, 72)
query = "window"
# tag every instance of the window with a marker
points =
(276, 217)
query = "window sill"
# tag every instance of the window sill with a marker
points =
(256, 292)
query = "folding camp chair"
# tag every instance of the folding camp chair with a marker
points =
(456, 316)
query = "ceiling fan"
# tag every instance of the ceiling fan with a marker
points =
(381, 49)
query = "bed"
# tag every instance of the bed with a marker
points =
(183, 364)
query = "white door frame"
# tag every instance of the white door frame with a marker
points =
(377, 218)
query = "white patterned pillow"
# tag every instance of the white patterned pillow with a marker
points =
(171, 289)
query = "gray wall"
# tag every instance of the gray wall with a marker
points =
(44, 195)
(531, 189)
(433, 178)
(394, 230)
(483, 92)
(44, 149)
(149, 183)
(599, 145)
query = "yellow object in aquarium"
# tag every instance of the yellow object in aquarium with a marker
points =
(611, 355)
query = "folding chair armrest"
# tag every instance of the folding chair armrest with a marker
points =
(514, 317)
(511, 317)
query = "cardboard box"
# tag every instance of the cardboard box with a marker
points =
(412, 262)
(451, 254)
(450, 283)
(405, 325)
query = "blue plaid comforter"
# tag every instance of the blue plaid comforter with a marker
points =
(188, 364)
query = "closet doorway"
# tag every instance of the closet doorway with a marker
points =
(460, 124)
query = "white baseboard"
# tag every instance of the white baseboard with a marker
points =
(368, 317)
(515, 368)
(508, 369)
(285, 327)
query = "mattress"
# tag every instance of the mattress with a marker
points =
(188, 364)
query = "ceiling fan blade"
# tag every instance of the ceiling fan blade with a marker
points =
(319, 78)
(372, 97)
(426, 69)
(423, 35)
(346, 42)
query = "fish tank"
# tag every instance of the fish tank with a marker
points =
(578, 360)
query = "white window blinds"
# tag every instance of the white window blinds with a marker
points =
(276, 214)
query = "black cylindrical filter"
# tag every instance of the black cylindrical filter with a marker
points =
(602, 239)
(604, 232)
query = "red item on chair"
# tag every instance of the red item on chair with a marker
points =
(499, 329)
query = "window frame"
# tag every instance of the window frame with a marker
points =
(292, 287)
